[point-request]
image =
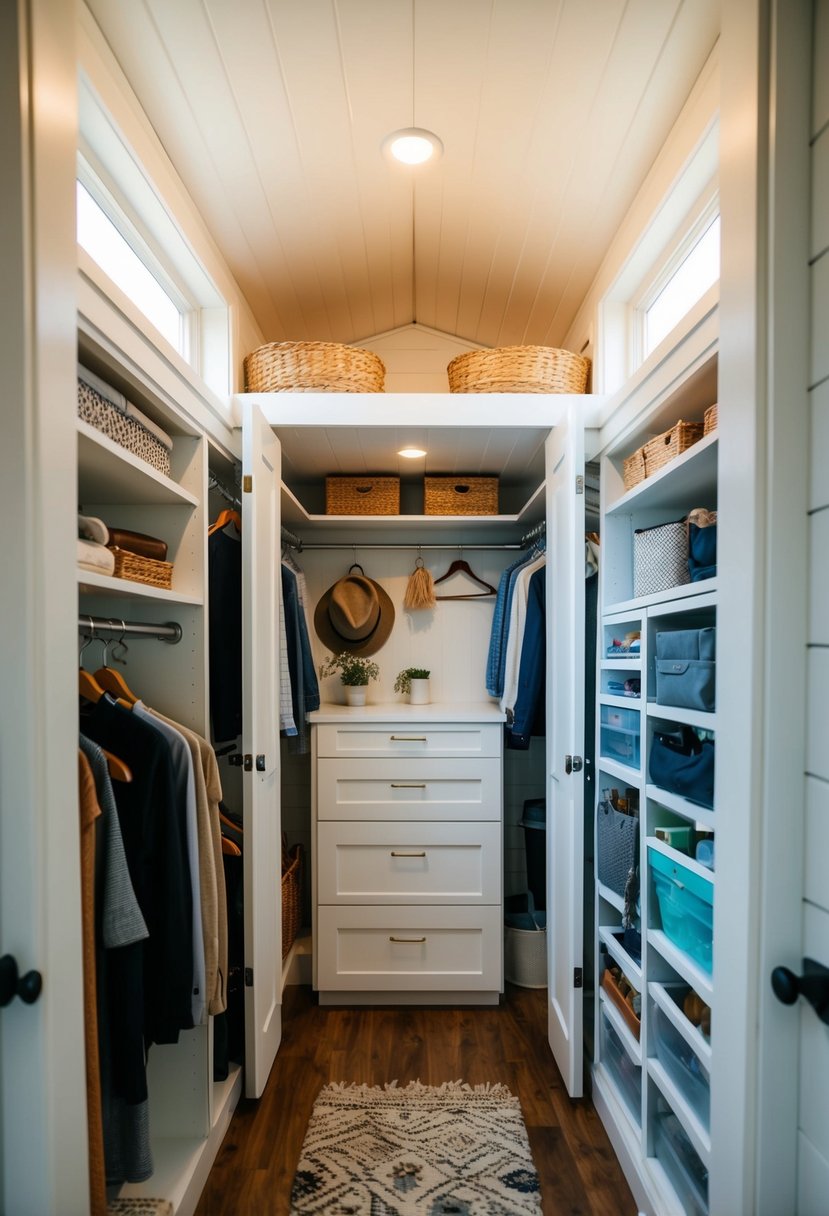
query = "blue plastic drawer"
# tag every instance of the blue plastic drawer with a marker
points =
(619, 735)
(686, 1173)
(626, 1075)
(682, 1065)
(685, 907)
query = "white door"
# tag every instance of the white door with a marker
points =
(43, 1138)
(260, 744)
(565, 744)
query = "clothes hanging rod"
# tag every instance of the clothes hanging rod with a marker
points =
(214, 484)
(169, 632)
(291, 539)
(393, 545)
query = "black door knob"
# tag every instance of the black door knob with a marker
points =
(813, 984)
(28, 987)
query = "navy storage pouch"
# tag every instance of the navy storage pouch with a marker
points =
(682, 763)
(702, 551)
(685, 668)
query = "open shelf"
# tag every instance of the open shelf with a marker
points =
(681, 806)
(682, 859)
(631, 776)
(610, 897)
(619, 955)
(706, 586)
(692, 474)
(673, 1095)
(108, 473)
(660, 995)
(676, 713)
(90, 583)
(632, 1045)
(701, 981)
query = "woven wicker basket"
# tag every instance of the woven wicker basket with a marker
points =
(460, 496)
(664, 448)
(709, 419)
(290, 896)
(313, 367)
(142, 569)
(518, 369)
(362, 496)
(633, 469)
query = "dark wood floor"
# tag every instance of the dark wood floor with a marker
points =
(253, 1173)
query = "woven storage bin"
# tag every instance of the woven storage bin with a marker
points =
(660, 558)
(362, 496)
(121, 429)
(525, 957)
(709, 419)
(518, 369)
(142, 569)
(666, 447)
(313, 367)
(633, 469)
(290, 896)
(460, 496)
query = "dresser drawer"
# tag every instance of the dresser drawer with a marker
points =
(364, 949)
(416, 789)
(402, 863)
(389, 739)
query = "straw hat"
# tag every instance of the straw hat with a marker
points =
(354, 615)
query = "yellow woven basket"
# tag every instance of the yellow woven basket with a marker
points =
(290, 896)
(313, 367)
(664, 448)
(518, 369)
(460, 495)
(142, 569)
(709, 419)
(362, 495)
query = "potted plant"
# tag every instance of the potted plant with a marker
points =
(354, 672)
(415, 682)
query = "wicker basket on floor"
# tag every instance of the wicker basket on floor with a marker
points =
(290, 896)
(313, 367)
(142, 569)
(518, 369)
(664, 448)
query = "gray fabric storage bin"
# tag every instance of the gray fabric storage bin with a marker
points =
(686, 668)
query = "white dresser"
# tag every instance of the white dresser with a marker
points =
(407, 854)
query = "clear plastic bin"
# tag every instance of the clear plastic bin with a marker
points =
(626, 1075)
(620, 735)
(677, 1156)
(682, 1065)
(685, 906)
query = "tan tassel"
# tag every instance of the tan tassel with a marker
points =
(420, 590)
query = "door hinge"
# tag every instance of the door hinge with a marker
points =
(260, 763)
(248, 977)
(247, 483)
(247, 763)
(579, 483)
(572, 764)
(578, 980)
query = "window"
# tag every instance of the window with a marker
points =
(688, 278)
(105, 245)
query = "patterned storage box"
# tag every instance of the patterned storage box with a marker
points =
(122, 428)
(660, 558)
(460, 496)
(362, 495)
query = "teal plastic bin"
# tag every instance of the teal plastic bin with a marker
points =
(686, 907)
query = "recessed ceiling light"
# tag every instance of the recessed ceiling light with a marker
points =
(411, 453)
(413, 145)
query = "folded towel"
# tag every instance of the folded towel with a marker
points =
(92, 528)
(163, 438)
(138, 543)
(92, 556)
(101, 387)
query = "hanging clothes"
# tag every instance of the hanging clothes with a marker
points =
(515, 630)
(224, 582)
(303, 677)
(528, 713)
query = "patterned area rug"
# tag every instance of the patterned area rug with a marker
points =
(449, 1150)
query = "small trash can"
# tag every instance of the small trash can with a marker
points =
(534, 823)
(525, 946)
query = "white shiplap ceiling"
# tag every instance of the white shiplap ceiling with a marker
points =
(274, 111)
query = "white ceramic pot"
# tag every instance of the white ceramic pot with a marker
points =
(355, 694)
(420, 692)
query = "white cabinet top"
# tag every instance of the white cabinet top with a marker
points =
(476, 711)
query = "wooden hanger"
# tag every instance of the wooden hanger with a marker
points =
(112, 681)
(235, 827)
(225, 517)
(88, 686)
(118, 770)
(229, 847)
(459, 566)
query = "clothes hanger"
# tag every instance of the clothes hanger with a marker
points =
(225, 517)
(112, 681)
(118, 770)
(230, 848)
(235, 827)
(460, 566)
(88, 686)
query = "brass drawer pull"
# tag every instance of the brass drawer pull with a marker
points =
(408, 785)
(408, 941)
(408, 738)
(393, 854)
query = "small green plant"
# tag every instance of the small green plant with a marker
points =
(403, 683)
(352, 669)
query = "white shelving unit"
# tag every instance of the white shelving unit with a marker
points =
(671, 1047)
